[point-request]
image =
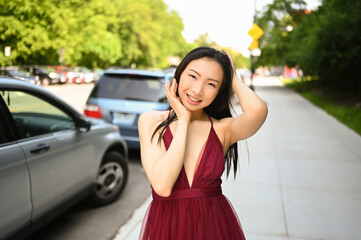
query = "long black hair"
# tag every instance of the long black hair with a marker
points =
(221, 105)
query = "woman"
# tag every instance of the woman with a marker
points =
(184, 151)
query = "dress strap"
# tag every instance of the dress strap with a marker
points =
(211, 120)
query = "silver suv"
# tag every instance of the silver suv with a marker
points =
(120, 96)
(51, 156)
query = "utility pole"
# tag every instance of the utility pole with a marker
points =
(255, 32)
(253, 58)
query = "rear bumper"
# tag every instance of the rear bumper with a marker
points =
(130, 136)
(132, 142)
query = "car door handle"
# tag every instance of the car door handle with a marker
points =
(40, 148)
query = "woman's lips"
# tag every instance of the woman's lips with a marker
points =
(193, 100)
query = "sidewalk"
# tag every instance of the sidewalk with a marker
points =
(303, 180)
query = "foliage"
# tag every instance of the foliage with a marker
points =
(325, 43)
(277, 19)
(239, 59)
(336, 50)
(94, 33)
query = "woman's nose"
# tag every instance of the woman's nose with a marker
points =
(198, 88)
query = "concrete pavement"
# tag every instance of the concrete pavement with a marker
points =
(303, 178)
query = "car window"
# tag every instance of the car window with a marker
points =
(34, 116)
(131, 87)
(20, 73)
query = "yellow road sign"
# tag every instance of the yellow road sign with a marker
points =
(255, 32)
(254, 45)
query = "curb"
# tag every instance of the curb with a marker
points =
(131, 229)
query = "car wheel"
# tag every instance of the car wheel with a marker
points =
(45, 82)
(111, 180)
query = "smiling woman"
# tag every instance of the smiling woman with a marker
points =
(197, 138)
(200, 83)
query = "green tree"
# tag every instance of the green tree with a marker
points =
(239, 59)
(327, 44)
(94, 33)
(337, 51)
(150, 33)
(277, 20)
(204, 40)
(24, 31)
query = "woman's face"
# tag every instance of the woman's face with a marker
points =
(199, 83)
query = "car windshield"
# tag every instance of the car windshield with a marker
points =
(46, 69)
(19, 73)
(131, 87)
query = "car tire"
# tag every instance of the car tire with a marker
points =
(111, 179)
(45, 82)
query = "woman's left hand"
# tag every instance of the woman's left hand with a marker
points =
(235, 77)
(230, 59)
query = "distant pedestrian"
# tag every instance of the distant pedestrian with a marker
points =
(184, 151)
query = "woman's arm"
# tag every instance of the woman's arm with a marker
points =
(254, 111)
(161, 166)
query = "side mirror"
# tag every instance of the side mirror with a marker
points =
(82, 125)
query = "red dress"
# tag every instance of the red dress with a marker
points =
(198, 212)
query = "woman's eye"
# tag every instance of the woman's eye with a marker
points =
(211, 84)
(192, 76)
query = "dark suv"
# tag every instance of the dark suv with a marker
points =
(120, 96)
(46, 74)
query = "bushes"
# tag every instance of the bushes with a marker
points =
(325, 42)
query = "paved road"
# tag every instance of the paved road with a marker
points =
(82, 221)
(74, 94)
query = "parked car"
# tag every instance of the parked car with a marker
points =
(120, 96)
(46, 74)
(19, 73)
(68, 72)
(97, 74)
(84, 75)
(51, 157)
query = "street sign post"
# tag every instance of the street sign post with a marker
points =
(254, 45)
(255, 32)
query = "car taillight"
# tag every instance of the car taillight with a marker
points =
(91, 110)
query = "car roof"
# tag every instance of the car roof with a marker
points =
(135, 72)
(11, 68)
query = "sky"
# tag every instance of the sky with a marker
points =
(227, 22)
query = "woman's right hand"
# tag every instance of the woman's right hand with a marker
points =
(175, 102)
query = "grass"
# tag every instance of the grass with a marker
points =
(343, 107)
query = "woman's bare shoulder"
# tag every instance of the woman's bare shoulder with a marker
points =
(223, 122)
(149, 119)
(221, 127)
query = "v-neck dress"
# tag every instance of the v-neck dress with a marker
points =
(196, 212)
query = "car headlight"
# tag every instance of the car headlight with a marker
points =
(53, 75)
